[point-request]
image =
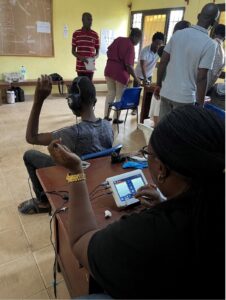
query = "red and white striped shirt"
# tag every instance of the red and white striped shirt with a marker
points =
(86, 43)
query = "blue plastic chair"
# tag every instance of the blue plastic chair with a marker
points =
(106, 152)
(220, 112)
(130, 100)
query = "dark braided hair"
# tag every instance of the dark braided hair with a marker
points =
(191, 141)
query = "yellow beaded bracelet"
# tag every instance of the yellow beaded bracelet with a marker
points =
(75, 177)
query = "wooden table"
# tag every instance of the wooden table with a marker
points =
(53, 179)
(146, 101)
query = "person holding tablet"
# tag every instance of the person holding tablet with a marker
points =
(176, 248)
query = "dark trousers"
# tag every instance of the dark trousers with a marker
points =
(89, 75)
(34, 160)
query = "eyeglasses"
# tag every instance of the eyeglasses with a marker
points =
(145, 153)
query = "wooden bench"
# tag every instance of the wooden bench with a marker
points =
(4, 86)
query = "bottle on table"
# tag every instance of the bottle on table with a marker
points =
(23, 72)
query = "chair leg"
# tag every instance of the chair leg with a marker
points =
(117, 119)
(126, 117)
(109, 111)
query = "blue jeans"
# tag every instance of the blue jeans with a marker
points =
(34, 160)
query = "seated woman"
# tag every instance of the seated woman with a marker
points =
(175, 248)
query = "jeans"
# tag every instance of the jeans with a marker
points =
(167, 105)
(34, 160)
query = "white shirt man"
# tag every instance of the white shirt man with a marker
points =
(190, 49)
(149, 57)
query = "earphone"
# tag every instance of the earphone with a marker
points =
(74, 99)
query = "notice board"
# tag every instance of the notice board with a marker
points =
(26, 28)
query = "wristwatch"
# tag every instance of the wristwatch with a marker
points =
(75, 177)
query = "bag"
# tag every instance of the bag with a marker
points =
(19, 93)
(57, 77)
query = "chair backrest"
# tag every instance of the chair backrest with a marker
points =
(219, 111)
(130, 98)
(103, 153)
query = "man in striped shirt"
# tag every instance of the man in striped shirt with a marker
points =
(85, 45)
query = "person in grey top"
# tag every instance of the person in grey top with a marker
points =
(91, 135)
(186, 60)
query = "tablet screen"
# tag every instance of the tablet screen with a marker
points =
(127, 187)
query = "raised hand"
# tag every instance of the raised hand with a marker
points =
(43, 88)
(148, 195)
(64, 157)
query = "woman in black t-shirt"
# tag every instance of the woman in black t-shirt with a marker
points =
(175, 248)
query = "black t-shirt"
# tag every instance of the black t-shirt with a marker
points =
(152, 254)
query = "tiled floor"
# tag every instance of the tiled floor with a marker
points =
(26, 256)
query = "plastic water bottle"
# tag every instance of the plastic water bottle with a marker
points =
(23, 72)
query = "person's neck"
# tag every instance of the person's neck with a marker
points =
(203, 24)
(152, 49)
(89, 116)
(85, 28)
(175, 188)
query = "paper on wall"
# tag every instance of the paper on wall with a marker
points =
(107, 37)
(43, 27)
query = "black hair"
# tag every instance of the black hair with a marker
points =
(87, 90)
(181, 25)
(158, 36)
(220, 30)
(135, 32)
(160, 51)
(191, 141)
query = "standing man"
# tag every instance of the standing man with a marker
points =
(186, 60)
(85, 45)
(119, 67)
(148, 58)
(218, 64)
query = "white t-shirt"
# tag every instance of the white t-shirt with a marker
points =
(218, 64)
(189, 49)
(150, 58)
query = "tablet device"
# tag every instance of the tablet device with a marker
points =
(125, 186)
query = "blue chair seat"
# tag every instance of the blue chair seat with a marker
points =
(219, 111)
(130, 100)
(106, 152)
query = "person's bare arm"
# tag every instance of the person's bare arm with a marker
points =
(131, 71)
(143, 69)
(81, 220)
(162, 67)
(74, 52)
(42, 91)
(201, 85)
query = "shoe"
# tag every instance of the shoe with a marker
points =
(116, 121)
(108, 119)
(134, 112)
(32, 206)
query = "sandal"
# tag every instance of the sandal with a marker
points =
(31, 207)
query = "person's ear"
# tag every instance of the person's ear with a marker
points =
(163, 172)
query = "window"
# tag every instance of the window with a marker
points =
(175, 16)
(151, 21)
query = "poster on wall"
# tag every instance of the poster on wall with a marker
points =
(106, 38)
